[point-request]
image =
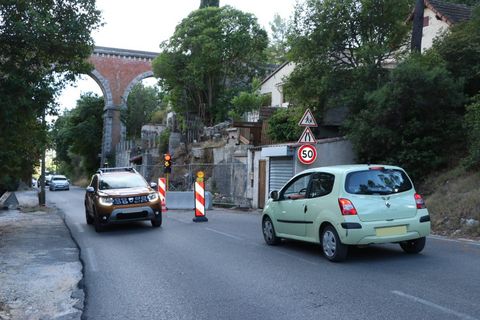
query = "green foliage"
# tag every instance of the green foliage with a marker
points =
(213, 54)
(43, 45)
(414, 120)
(278, 47)
(460, 48)
(143, 102)
(472, 124)
(247, 101)
(340, 48)
(283, 125)
(77, 136)
(209, 3)
(164, 141)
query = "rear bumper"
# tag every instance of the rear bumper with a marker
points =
(368, 234)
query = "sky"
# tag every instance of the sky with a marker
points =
(144, 24)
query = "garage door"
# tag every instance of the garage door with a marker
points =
(281, 170)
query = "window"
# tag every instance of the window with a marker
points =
(426, 21)
(296, 189)
(321, 185)
(381, 182)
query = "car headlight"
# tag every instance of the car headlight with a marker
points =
(153, 196)
(106, 201)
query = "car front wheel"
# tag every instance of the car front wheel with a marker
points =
(413, 246)
(333, 249)
(97, 223)
(157, 222)
(269, 232)
(88, 217)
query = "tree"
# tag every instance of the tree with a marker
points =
(77, 136)
(277, 50)
(213, 54)
(472, 126)
(209, 3)
(142, 103)
(413, 120)
(247, 101)
(340, 49)
(283, 125)
(43, 45)
(460, 48)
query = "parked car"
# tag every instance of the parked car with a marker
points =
(121, 195)
(59, 182)
(340, 206)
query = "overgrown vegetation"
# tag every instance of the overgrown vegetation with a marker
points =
(76, 137)
(43, 45)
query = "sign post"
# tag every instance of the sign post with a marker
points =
(307, 153)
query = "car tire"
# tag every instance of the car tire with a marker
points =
(333, 249)
(97, 223)
(88, 217)
(269, 233)
(413, 246)
(157, 222)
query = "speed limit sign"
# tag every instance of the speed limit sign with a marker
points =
(307, 154)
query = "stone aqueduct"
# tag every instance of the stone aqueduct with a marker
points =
(116, 71)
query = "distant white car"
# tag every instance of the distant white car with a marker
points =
(59, 182)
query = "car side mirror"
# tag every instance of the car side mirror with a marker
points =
(90, 190)
(153, 185)
(274, 195)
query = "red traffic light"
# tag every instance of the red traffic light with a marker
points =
(167, 157)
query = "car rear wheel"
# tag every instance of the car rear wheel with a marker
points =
(157, 222)
(333, 249)
(413, 246)
(88, 217)
(269, 232)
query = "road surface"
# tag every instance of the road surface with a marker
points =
(222, 269)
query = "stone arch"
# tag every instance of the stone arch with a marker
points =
(132, 83)
(104, 85)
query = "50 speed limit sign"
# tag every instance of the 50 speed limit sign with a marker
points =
(307, 154)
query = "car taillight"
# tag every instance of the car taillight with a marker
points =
(420, 202)
(346, 207)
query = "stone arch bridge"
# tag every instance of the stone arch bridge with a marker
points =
(116, 71)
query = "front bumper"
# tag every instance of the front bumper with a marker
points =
(118, 214)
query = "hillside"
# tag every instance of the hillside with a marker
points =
(453, 200)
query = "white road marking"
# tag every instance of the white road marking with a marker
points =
(92, 261)
(224, 234)
(435, 306)
(463, 241)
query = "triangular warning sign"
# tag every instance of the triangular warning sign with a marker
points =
(307, 136)
(308, 120)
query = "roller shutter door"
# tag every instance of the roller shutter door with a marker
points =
(281, 170)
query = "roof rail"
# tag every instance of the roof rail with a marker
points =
(116, 169)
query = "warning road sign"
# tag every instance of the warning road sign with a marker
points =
(307, 136)
(308, 120)
(307, 154)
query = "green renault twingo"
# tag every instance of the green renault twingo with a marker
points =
(339, 206)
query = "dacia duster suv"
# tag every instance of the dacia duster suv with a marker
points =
(121, 195)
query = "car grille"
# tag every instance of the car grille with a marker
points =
(130, 200)
(132, 215)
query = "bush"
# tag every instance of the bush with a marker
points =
(472, 124)
(414, 120)
(283, 125)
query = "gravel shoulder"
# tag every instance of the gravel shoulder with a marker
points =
(40, 270)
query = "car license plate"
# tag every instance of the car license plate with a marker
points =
(391, 231)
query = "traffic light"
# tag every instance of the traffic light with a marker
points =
(167, 163)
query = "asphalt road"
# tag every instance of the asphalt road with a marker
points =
(222, 269)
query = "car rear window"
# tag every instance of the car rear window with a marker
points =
(121, 182)
(383, 181)
(59, 179)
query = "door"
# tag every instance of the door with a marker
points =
(262, 179)
(290, 211)
(281, 170)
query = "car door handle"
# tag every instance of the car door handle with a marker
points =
(305, 208)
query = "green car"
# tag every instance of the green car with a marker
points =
(339, 206)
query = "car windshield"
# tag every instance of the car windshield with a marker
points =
(121, 182)
(383, 182)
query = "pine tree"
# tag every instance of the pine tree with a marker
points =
(209, 3)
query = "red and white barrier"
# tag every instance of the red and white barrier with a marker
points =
(162, 190)
(200, 202)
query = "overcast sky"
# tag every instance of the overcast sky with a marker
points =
(144, 24)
